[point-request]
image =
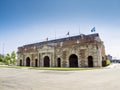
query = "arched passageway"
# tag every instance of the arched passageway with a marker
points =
(46, 61)
(59, 62)
(36, 62)
(20, 62)
(90, 61)
(73, 61)
(27, 61)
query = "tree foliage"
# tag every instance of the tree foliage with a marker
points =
(1, 58)
(9, 58)
(13, 57)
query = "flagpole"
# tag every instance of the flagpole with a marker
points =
(55, 40)
(55, 35)
(79, 30)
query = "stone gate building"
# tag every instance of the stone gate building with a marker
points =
(75, 51)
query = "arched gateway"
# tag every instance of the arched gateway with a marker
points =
(73, 61)
(46, 61)
(27, 61)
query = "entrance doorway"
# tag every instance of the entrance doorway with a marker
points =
(73, 61)
(46, 61)
(27, 61)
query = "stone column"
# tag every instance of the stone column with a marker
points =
(64, 63)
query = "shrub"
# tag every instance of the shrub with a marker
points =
(105, 63)
(108, 62)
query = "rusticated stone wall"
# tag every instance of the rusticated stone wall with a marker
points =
(77, 51)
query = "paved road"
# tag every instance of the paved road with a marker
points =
(26, 79)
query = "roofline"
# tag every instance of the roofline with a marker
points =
(61, 39)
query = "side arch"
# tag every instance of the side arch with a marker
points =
(36, 62)
(58, 62)
(90, 61)
(20, 62)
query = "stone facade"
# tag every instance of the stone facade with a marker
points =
(76, 51)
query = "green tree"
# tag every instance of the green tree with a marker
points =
(1, 58)
(7, 59)
(13, 57)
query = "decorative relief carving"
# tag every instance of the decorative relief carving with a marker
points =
(83, 63)
(64, 55)
(82, 53)
(64, 63)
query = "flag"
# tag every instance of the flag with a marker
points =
(93, 29)
(67, 34)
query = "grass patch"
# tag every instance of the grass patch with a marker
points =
(48, 68)
(17, 67)
(63, 69)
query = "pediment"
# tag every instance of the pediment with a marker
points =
(45, 47)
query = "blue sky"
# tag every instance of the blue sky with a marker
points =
(29, 21)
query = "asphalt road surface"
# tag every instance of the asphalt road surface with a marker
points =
(27, 79)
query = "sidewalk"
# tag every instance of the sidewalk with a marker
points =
(113, 66)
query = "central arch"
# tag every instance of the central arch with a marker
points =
(73, 61)
(46, 61)
(27, 61)
(90, 61)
